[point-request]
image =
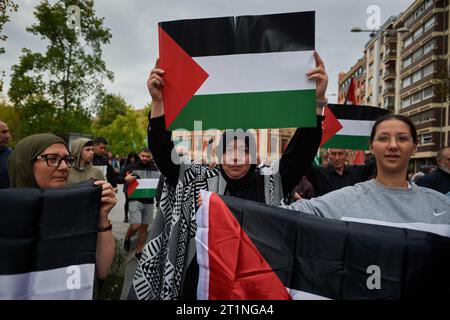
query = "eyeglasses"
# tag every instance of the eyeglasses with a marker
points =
(54, 160)
(400, 139)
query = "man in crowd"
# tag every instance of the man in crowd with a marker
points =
(439, 179)
(5, 151)
(101, 160)
(337, 174)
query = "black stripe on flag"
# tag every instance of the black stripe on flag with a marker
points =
(330, 258)
(354, 112)
(44, 230)
(240, 35)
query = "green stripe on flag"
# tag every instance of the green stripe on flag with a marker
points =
(143, 194)
(348, 142)
(281, 109)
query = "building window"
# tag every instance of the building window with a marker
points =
(407, 41)
(407, 62)
(429, 47)
(427, 93)
(417, 97)
(426, 138)
(417, 54)
(406, 102)
(406, 82)
(418, 33)
(417, 76)
(429, 24)
(428, 70)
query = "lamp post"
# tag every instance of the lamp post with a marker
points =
(377, 33)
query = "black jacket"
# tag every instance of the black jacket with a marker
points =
(4, 177)
(437, 180)
(108, 171)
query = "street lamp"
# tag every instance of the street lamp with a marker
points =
(377, 33)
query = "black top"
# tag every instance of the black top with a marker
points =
(102, 161)
(294, 163)
(437, 180)
(4, 178)
(326, 179)
(141, 171)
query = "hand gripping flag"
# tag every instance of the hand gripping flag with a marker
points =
(239, 72)
(249, 250)
(48, 242)
(349, 126)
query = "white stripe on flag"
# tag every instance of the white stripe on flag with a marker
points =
(201, 243)
(67, 283)
(440, 229)
(302, 295)
(257, 72)
(355, 127)
(147, 183)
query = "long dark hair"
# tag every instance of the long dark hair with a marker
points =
(412, 127)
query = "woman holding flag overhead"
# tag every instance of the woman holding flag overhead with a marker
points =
(167, 269)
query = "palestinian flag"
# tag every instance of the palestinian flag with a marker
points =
(48, 242)
(349, 126)
(239, 72)
(249, 250)
(145, 186)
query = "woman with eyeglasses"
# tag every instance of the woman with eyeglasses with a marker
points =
(388, 199)
(43, 161)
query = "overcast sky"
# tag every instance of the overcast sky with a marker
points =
(134, 44)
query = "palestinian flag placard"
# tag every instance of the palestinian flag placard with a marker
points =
(349, 126)
(142, 188)
(239, 72)
(252, 251)
(48, 243)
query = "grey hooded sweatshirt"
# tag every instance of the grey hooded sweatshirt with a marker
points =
(88, 171)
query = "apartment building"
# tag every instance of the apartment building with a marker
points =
(410, 74)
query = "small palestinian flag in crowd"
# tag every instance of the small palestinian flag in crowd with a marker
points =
(349, 126)
(48, 242)
(143, 188)
(239, 72)
(252, 251)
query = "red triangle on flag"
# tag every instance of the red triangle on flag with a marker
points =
(237, 270)
(330, 126)
(131, 187)
(182, 77)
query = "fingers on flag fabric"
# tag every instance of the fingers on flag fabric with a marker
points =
(48, 242)
(239, 72)
(349, 126)
(249, 250)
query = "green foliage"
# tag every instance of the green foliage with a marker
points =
(110, 107)
(53, 91)
(6, 6)
(123, 134)
(43, 116)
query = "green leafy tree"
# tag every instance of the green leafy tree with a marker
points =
(69, 73)
(124, 134)
(6, 6)
(110, 107)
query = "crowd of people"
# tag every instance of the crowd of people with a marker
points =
(380, 190)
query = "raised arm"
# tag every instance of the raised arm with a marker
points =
(299, 154)
(159, 139)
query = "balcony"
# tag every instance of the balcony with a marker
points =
(390, 55)
(388, 89)
(388, 74)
